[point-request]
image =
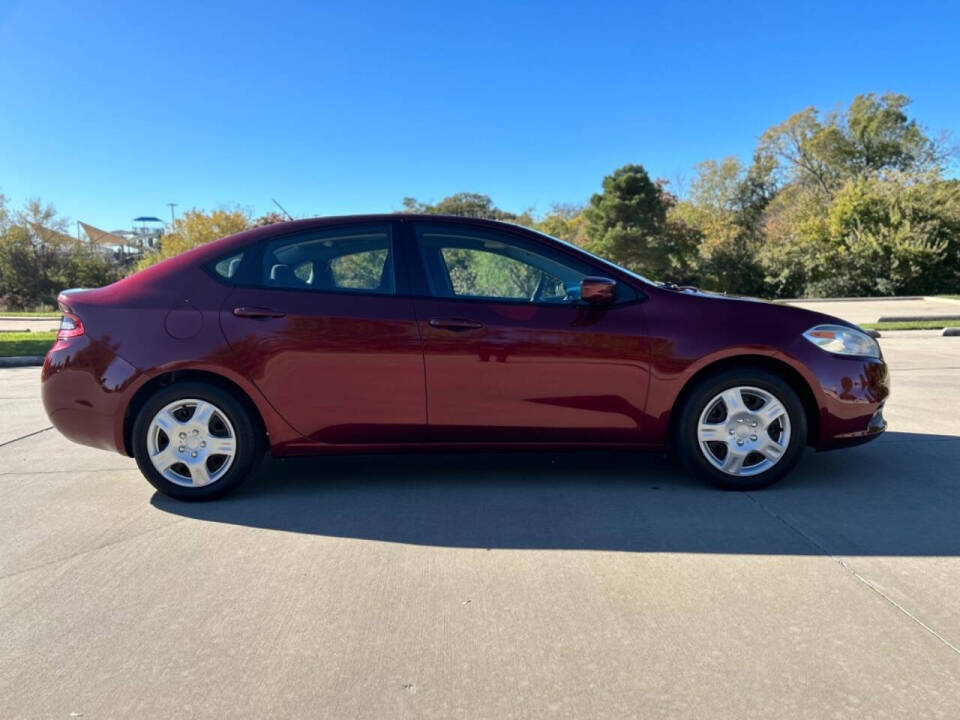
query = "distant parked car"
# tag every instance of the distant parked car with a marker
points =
(382, 333)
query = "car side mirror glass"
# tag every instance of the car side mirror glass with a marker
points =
(598, 290)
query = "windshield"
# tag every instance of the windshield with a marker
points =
(599, 259)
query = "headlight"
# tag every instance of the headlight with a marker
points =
(843, 341)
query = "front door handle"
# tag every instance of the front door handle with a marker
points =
(455, 324)
(257, 312)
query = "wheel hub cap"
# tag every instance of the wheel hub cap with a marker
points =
(744, 431)
(191, 442)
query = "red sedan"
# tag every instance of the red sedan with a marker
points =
(392, 332)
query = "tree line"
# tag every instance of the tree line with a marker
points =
(855, 201)
(38, 258)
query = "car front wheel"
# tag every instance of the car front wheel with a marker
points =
(195, 441)
(742, 429)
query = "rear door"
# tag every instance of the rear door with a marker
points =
(512, 355)
(325, 334)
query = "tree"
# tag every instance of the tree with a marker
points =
(855, 208)
(38, 259)
(31, 255)
(564, 221)
(270, 218)
(20, 282)
(873, 135)
(627, 223)
(876, 236)
(879, 135)
(724, 204)
(87, 267)
(466, 204)
(463, 204)
(194, 228)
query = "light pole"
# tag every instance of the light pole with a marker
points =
(172, 217)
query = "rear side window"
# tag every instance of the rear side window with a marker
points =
(352, 259)
(228, 267)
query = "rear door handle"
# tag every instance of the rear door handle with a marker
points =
(257, 312)
(455, 324)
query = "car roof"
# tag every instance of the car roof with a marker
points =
(292, 226)
(389, 217)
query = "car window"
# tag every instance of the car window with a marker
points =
(358, 259)
(228, 267)
(361, 270)
(475, 264)
(482, 273)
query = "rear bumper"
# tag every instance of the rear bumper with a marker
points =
(84, 388)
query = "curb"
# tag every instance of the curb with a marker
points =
(917, 318)
(853, 299)
(21, 361)
(951, 332)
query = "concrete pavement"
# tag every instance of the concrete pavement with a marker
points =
(869, 310)
(512, 586)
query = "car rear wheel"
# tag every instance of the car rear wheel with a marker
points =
(195, 441)
(742, 429)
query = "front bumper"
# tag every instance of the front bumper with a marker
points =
(853, 394)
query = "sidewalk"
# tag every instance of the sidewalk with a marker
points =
(22, 324)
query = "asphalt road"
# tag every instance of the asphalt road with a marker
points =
(512, 586)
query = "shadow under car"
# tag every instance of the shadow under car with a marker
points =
(895, 497)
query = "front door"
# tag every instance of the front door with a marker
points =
(327, 339)
(511, 353)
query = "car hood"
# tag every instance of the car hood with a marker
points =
(690, 290)
(802, 315)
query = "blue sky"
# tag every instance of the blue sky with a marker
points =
(111, 110)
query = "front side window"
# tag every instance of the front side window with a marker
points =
(353, 259)
(475, 264)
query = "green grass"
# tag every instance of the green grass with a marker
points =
(950, 297)
(30, 313)
(26, 343)
(921, 325)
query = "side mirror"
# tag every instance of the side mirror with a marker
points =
(598, 290)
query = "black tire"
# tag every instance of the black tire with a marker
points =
(248, 438)
(687, 444)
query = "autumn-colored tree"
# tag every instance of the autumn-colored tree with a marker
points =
(270, 218)
(564, 221)
(721, 206)
(197, 227)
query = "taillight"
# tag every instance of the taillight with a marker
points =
(70, 326)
